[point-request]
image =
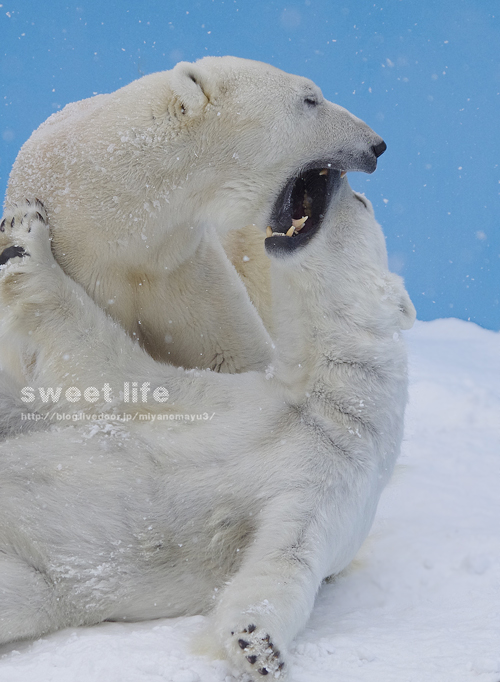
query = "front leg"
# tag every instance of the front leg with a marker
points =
(62, 338)
(271, 597)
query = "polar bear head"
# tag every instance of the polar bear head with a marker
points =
(216, 141)
(261, 128)
(337, 242)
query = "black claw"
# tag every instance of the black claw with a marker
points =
(267, 639)
(251, 628)
(276, 653)
(13, 222)
(281, 666)
(243, 644)
(263, 671)
(28, 202)
(40, 217)
(252, 659)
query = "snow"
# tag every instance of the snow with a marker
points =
(421, 601)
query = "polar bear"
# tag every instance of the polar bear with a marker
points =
(241, 514)
(141, 186)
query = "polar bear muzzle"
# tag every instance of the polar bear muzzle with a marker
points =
(300, 208)
(303, 202)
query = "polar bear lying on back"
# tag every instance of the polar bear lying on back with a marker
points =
(141, 185)
(253, 508)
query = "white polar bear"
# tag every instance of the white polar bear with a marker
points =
(243, 514)
(141, 184)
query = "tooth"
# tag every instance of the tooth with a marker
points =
(324, 171)
(299, 224)
(269, 231)
(342, 173)
(290, 231)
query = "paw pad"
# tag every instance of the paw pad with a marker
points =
(260, 652)
(17, 223)
(12, 252)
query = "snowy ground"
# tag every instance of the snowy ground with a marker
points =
(421, 603)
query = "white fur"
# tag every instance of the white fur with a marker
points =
(140, 185)
(243, 515)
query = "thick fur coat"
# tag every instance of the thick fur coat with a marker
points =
(242, 514)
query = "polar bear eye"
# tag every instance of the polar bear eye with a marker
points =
(311, 101)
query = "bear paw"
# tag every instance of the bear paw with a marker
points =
(257, 652)
(24, 228)
(28, 270)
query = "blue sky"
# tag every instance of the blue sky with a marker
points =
(425, 75)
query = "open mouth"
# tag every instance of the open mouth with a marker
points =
(301, 207)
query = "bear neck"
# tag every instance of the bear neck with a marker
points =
(340, 358)
(329, 317)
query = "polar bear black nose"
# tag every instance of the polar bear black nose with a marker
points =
(379, 149)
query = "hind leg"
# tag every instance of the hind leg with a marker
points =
(27, 601)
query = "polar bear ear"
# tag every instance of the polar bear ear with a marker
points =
(187, 84)
(407, 310)
(403, 311)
